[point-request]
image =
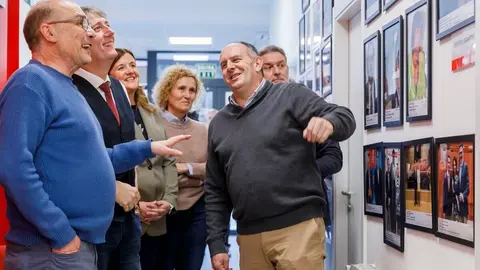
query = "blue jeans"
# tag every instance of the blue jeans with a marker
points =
(185, 239)
(122, 245)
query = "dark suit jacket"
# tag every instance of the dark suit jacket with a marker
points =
(113, 134)
(464, 188)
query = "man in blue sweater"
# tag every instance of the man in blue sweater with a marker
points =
(261, 164)
(58, 176)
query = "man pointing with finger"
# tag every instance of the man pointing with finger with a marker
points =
(261, 163)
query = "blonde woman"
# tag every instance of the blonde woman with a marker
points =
(157, 177)
(175, 94)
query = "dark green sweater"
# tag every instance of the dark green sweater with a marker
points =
(260, 165)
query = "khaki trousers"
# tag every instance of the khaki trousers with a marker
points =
(301, 246)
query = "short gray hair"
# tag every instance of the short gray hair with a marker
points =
(90, 10)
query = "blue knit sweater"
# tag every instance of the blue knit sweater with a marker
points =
(56, 171)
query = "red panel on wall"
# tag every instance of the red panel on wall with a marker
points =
(3, 47)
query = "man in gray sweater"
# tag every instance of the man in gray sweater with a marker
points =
(261, 163)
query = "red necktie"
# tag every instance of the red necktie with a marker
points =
(108, 95)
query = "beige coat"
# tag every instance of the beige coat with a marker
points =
(159, 183)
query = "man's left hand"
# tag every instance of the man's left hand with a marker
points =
(318, 130)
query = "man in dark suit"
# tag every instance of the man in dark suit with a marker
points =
(378, 183)
(463, 186)
(108, 100)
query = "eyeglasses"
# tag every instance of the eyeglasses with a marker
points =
(85, 24)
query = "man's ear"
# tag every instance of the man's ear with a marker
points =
(48, 33)
(258, 63)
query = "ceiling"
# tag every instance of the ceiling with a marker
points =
(144, 25)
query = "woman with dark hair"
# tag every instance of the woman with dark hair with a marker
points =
(417, 89)
(157, 177)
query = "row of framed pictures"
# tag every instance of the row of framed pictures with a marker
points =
(418, 90)
(314, 27)
(425, 184)
(452, 15)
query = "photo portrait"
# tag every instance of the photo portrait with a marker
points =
(373, 179)
(418, 181)
(453, 15)
(327, 68)
(372, 10)
(393, 73)
(393, 197)
(371, 54)
(455, 188)
(418, 63)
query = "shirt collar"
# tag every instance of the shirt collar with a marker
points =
(232, 101)
(93, 79)
(172, 118)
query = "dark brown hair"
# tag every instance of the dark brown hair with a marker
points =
(273, 48)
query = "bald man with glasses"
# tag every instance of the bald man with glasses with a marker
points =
(58, 176)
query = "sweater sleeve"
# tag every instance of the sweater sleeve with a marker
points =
(218, 206)
(126, 156)
(24, 119)
(306, 104)
(329, 158)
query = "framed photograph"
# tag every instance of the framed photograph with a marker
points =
(301, 45)
(317, 23)
(317, 59)
(453, 15)
(394, 207)
(387, 4)
(419, 181)
(309, 78)
(308, 38)
(327, 18)
(327, 68)
(371, 61)
(305, 4)
(418, 53)
(373, 179)
(373, 8)
(455, 189)
(393, 73)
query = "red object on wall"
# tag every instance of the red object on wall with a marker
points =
(9, 62)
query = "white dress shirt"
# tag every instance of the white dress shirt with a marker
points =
(96, 81)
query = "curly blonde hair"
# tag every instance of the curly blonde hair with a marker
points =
(169, 78)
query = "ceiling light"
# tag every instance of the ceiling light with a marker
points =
(190, 57)
(190, 40)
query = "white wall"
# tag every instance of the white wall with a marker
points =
(24, 52)
(453, 99)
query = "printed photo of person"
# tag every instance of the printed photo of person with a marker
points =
(418, 184)
(417, 62)
(393, 221)
(371, 81)
(455, 186)
(373, 180)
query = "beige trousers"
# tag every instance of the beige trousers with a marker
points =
(301, 246)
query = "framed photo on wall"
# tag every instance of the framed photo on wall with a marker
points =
(455, 158)
(309, 78)
(418, 53)
(327, 68)
(453, 15)
(301, 45)
(317, 60)
(317, 23)
(305, 4)
(393, 211)
(419, 181)
(308, 38)
(388, 4)
(373, 9)
(327, 18)
(371, 80)
(393, 73)
(373, 179)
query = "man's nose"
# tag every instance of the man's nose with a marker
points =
(276, 70)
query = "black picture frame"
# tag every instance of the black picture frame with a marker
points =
(393, 190)
(444, 148)
(393, 117)
(427, 181)
(415, 110)
(327, 19)
(375, 4)
(301, 45)
(459, 24)
(372, 121)
(387, 4)
(372, 205)
(305, 4)
(326, 65)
